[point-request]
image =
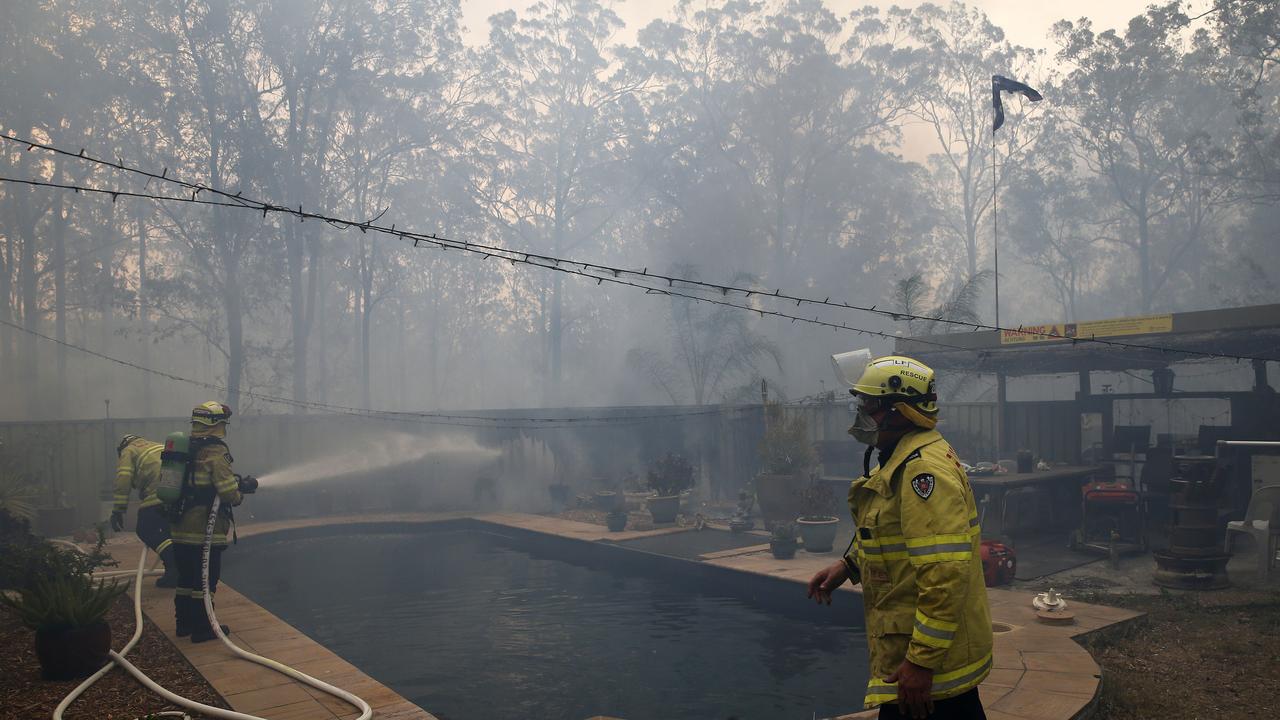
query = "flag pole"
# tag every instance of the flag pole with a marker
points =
(995, 250)
(995, 223)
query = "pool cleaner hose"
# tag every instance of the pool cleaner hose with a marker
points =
(118, 658)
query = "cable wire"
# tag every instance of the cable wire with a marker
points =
(594, 271)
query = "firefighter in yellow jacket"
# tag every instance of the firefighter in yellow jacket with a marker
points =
(916, 552)
(210, 475)
(139, 469)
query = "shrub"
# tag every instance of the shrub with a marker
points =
(670, 475)
(816, 499)
(25, 559)
(63, 602)
(785, 449)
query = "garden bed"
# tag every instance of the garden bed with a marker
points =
(1195, 655)
(117, 696)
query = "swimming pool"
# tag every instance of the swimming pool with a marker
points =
(472, 621)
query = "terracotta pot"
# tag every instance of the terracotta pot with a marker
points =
(817, 532)
(74, 652)
(664, 509)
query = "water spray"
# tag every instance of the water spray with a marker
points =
(383, 453)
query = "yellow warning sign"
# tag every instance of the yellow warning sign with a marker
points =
(1141, 325)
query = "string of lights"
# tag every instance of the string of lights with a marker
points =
(763, 312)
(453, 420)
(594, 271)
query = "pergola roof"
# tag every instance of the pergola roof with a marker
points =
(1248, 331)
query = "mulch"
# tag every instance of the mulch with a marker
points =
(117, 696)
(1202, 655)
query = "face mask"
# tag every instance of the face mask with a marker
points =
(865, 429)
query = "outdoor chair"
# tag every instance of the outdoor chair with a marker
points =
(1262, 523)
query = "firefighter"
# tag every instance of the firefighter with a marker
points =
(139, 468)
(209, 475)
(916, 552)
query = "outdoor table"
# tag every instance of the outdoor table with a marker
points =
(1062, 482)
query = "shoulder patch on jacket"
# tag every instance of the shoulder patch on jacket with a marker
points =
(923, 485)
(915, 455)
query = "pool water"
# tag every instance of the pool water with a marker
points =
(471, 625)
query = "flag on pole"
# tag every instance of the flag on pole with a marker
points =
(999, 83)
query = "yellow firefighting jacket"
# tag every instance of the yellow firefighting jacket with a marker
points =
(916, 549)
(139, 467)
(212, 474)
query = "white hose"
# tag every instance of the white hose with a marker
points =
(118, 658)
(366, 712)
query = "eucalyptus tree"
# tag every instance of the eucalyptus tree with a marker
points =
(548, 161)
(961, 49)
(1249, 34)
(761, 133)
(1055, 221)
(1148, 118)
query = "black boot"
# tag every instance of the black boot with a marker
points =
(204, 631)
(182, 615)
(170, 577)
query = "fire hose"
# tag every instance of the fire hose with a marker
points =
(118, 658)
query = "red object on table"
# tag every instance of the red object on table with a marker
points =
(999, 563)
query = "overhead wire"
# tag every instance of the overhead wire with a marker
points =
(594, 271)
(517, 257)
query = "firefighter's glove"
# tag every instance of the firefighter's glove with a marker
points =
(248, 485)
(117, 520)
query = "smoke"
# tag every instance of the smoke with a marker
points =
(384, 453)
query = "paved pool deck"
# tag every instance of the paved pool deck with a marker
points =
(1040, 671)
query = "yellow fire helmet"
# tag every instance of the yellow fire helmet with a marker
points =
(210, 414)
(905, 382)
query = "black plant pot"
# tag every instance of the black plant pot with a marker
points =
(617, 521)
(74, 652)
(783, 549)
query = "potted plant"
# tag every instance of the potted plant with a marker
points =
(783, 541)
(616, 520)
(67, 609)
(817, 526)
(668, 477)
(786, 455)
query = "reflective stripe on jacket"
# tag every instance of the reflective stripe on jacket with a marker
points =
(212, 473)
(916, 549)
(138, 468)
